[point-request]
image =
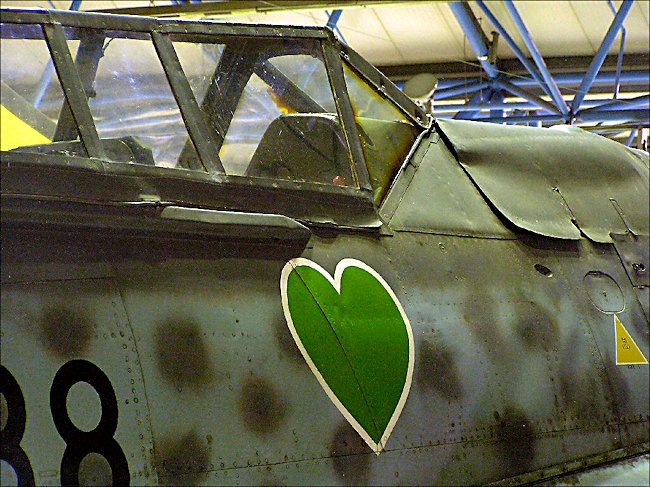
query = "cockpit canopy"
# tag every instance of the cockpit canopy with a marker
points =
(288, 105)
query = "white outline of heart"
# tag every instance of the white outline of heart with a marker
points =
(336, 283)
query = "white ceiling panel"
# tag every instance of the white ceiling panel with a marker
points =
(416, 41)
(282, 18)
(637, 25)
(555, 28)
(643, 11)
(362, 27)
(427, 31)
(595, 19)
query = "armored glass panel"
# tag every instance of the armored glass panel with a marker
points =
(31, 93)
(135, 112)
(386, 133)
(271, 108)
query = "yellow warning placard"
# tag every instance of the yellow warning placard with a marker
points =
(627, 351)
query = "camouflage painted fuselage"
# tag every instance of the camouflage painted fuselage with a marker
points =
(511, 250)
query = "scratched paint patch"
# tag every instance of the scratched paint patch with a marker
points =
(627, 351)
(356, 338)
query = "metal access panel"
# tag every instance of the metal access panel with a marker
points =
(550, 181)
(71, 356)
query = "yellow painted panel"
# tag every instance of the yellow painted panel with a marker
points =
(16, 133)
(627, 351)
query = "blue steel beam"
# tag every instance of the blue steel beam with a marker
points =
(456, 107)
(513, 45)
(631, 76)
(621, 50)
(496, 97)
(459, 90)
(46, 76)
(523, 119)
(537, 57)
(599, 57)
(610, 130)
(332, 20)
(516, 90)
(630, 139)
(43, 83)
(613, 116)
(456, 82)
(625, 104)
(616, 116)
(476, 100)
(475, 36)
(515, 113)
(619, 64)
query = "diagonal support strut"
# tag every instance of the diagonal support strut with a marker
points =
(537, 57)
(599, 57)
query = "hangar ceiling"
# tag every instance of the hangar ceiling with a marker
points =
(447, 39)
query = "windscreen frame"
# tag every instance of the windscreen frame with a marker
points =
(160, 30)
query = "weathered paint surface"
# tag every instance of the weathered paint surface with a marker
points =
(514, 371)
(173, 351)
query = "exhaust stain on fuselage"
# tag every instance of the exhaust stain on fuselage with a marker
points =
(350, 455)
(261, 407)
(183, 357)
(516, 440)
(436, 370)
(537, 328)
(182, 461)
(65, 332)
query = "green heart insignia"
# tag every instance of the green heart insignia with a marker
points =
(356, 338)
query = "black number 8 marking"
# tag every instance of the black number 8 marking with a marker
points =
(81, 443)
(12, 434)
